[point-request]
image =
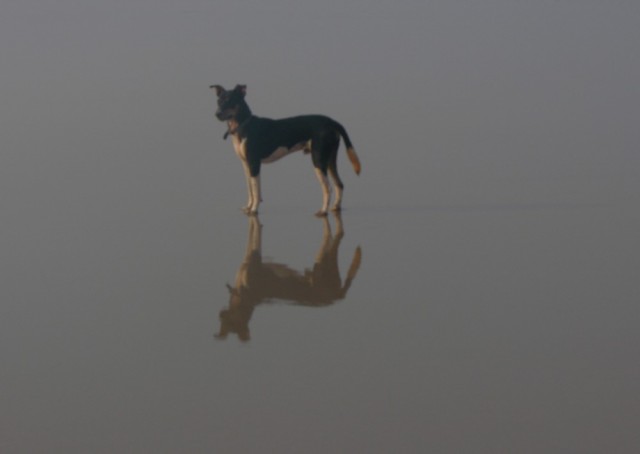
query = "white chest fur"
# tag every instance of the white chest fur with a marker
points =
(240, 147)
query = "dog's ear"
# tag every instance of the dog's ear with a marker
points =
(218, 88)
(242, 89)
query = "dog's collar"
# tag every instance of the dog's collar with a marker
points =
(237, 128)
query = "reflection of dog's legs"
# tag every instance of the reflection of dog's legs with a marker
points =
(353, 269)
(325, 269)
(355, 261)
(235, 318)
(255, 236)
(339, 226)
(325, 246)
(333, 248)
(253, 252)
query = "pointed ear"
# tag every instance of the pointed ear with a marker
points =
(218, 88)
(242, 89)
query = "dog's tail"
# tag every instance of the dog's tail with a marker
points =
(351, 152)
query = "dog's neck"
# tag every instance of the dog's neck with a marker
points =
(240, 119)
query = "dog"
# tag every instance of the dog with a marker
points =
(258, 141)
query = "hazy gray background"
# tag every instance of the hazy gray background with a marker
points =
(496, 308)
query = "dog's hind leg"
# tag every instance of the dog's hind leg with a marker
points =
(324, 152)
(337, 182)
(326, 191)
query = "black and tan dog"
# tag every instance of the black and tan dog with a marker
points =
(260, 141)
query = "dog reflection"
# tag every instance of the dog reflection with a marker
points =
(259, 281)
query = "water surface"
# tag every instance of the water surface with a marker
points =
(479, 293)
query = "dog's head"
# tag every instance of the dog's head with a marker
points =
(229, 101)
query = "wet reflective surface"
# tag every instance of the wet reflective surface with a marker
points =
(479, 293)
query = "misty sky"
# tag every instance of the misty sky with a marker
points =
(480, 92)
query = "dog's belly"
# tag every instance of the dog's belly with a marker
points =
(281, 152)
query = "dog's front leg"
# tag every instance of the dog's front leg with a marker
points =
(247, 176)
(254, 184)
